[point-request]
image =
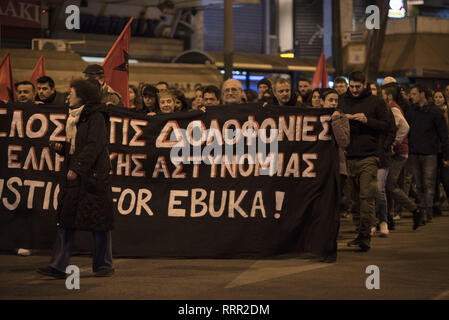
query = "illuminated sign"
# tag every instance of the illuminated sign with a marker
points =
(397, 9)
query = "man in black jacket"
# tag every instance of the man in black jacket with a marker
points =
(46, 92)
(283, 93)
(368, 123)
(428, 132)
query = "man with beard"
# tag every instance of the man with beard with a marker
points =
(304, 89)
(283, 93)
(368, 117)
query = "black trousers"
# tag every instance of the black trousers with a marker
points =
(62, 251)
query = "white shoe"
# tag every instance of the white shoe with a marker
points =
(384, 229)
(373, 231)
(24, 252)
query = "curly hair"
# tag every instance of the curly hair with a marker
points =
(86, 91)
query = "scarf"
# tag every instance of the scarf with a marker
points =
(70, 129)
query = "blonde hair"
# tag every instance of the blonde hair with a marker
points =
(167, 93)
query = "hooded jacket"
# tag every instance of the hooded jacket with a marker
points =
(368, 139)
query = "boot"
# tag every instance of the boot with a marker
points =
(436, 211)
(391, 223)
(365, 243)
(429, 215)
(417, 218)
(355, 242)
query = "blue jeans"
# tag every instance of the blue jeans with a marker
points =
(62, 251)
(394, 193)
(381, 204)
(424, 168)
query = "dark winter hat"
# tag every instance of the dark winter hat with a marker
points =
(94, 69)
(264, 81)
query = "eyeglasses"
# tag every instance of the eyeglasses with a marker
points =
(232, 90)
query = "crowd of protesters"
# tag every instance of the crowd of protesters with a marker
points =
(393, 140)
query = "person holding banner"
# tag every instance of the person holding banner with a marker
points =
(166, 100)
(341, 131)
(86, 191)
(25, 92)
(150, 103)
(368, 117)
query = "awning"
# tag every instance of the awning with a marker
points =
(423, 55)
(251, 61)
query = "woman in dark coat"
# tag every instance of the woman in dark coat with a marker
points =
(86, 191)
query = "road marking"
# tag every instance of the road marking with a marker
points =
(265, 270)
(442, 296)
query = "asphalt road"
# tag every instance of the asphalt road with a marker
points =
(411, 265)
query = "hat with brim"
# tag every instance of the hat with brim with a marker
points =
(94, 69)
(388, 81)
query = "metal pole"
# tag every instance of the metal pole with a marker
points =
(336, 38)
(228, 38)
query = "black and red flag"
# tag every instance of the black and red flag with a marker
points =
(116, 65)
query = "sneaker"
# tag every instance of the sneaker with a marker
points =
(105, 272)
(52, 272)
(396, 217)
(384, 229)
(373, 231)
(24, 252)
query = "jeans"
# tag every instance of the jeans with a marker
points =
(442, 177)
(394, 192)
(62, 251)
(363, 175)
(381, 204)
(424, 169)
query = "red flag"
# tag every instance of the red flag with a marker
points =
(320, 76)
(116, 64)
(7, 91)
(39, 71)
